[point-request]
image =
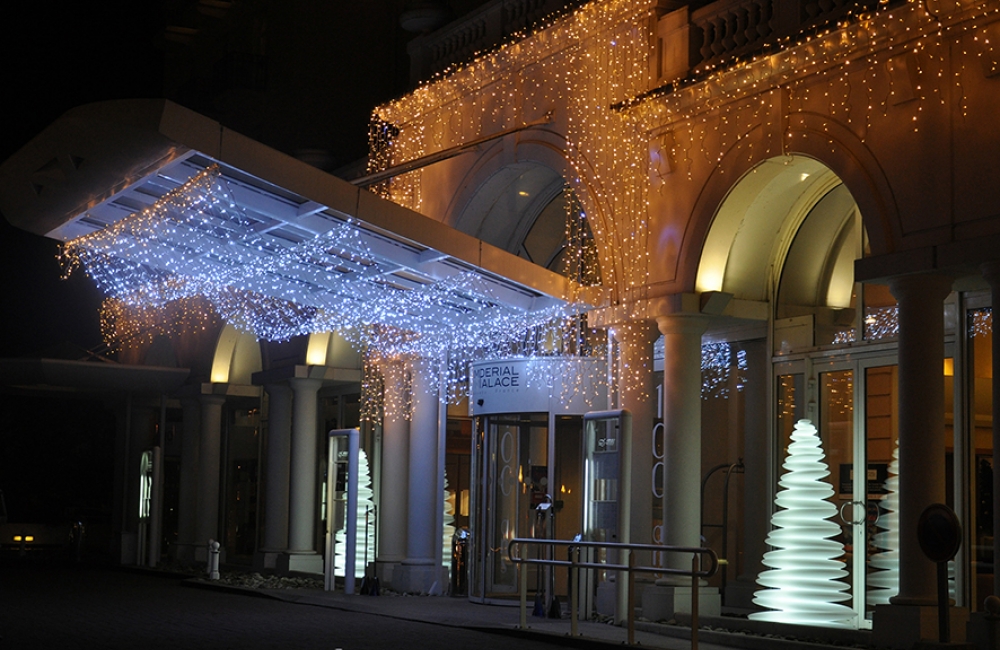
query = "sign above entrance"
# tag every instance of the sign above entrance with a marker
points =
(546, 384)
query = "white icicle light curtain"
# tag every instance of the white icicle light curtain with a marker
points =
(804, 583)
(196, 240)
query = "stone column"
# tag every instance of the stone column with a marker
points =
(912, 614)
(681, 432)
(209, 459)
(301, 554)
(921, 424)
(418, 571)
(187, 502)
(638, 395)
(276, 473)
(682, 465)
(392, 519)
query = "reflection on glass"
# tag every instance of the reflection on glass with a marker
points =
(881, 313)
(836, 427)
(882, 451)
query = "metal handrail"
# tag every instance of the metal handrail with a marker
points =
(573, 547)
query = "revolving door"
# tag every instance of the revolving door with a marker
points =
(527, 482)
(527, 464)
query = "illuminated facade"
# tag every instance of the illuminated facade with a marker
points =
(793, 202)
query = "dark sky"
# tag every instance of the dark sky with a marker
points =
(344, 57)
(56, 56)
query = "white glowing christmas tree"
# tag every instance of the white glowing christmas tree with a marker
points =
(449, 524)
(883, 576)
(364, 506)
(804, 583)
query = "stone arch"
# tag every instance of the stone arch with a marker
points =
(237, 357)
(541, 154)
(825, 150)
(333, 350)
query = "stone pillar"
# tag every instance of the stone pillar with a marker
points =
(301, 554)
(418, 572)
(276, 473)
(392, 519)
(912, 614)
(638, 395)
(209, 459)
(921, 424)
(991, 272)
(682, 465)
(681, 432)
(187, 502)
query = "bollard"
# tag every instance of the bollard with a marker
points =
(213, 559)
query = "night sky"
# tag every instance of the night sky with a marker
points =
(316, 71)
(56, 56)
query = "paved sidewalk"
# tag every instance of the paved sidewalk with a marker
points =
(461, 613)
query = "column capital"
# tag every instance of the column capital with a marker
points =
(211, 399)
(927, 286)
(637, 329)
(682, 323)
(304, 383)
(277, 388)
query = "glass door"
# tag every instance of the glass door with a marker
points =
(858, 426)
(512, 468)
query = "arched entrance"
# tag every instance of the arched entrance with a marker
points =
(787, 235)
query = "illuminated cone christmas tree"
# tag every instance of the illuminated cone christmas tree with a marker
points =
(449, 524)
(364, 522)
(804, 585)
(883, 581)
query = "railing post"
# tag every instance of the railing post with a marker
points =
(695, 565)
(574, 589)
(523, 568)
(631, 597)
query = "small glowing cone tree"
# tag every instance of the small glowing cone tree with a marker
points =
(803, 585)
(883, 582)
(364, 525)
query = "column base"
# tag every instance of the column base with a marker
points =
(385, 571)
(661, 602)
(420, 579)
(903, 626)
(265, 560)
(983, 631)
(298, 562)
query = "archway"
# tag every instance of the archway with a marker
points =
(788, 234)
(237, 357)
(528, 209)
